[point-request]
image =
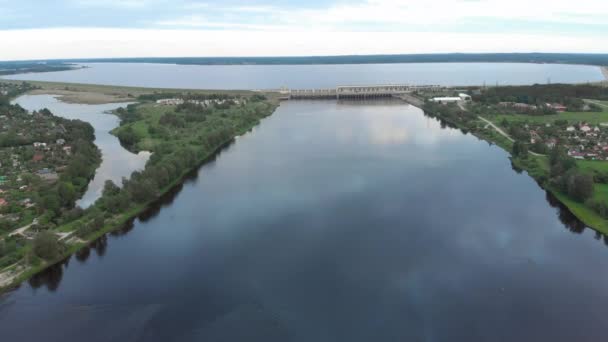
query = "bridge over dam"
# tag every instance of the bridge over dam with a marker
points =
(358, 92)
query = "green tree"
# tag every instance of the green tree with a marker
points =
(580, 186)
(67, 194)
(47, 246)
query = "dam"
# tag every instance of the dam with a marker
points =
(358, 92)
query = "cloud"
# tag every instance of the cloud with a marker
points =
(203, 21)
(113, 3)
(399, 15)
(106, 42)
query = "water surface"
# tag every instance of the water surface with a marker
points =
(318, 76)
(116, 163)
(334, 221)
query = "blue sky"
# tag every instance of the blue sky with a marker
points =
(470, 25)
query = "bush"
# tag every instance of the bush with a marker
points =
(580, 186)
(47, 246)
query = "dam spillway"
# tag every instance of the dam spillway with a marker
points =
(358, 92)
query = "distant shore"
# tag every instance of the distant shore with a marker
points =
(605, 72)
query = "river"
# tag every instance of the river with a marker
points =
(317, 76)
(116, 163)
(334, 221)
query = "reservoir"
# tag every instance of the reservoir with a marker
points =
(318, 76)
(116, 163)
(334, 221)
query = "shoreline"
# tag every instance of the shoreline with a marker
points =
(604, 70)
(13, 276)
(584, 214)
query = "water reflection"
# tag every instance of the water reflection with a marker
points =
(116, 163)
(570, 221)
(293, 234)
(50, 278)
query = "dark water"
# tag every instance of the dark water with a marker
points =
(317, 76)
(117, 162)
(334, 222)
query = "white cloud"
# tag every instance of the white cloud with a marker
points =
(397, 15)
(203, 21)
(104, 42)
(113, 3)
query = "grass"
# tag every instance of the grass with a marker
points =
(593, 165)
(572, 117)
(584, 213)
(128, 92)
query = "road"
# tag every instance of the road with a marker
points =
(21, 230)
(503, 133)
(597, 103)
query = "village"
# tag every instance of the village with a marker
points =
(204, 103)
(582, 140)
(579, 126)
(33, 153)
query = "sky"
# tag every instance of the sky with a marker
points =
(42, 29)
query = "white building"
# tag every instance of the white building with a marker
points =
(445, 100)
(170, 102)
(465, 97)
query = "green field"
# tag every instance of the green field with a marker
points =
(590, 117)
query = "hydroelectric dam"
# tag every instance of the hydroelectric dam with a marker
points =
(357, 92)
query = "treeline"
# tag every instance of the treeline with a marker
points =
(566, 177)
(18, 67)
(562, 58)
(451, 113)
(568, 95)
(13, 90)
(171, 159)
(186, 96)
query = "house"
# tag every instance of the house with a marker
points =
(169, 102)
(39, 145)
(576, 155)
(534, 137)
(523, 106)
(551, 143)
(3, 202)
(570, 129)
(38, 157)
(585, 128)
(67, 150)
(557, 107)
(596, 129)
(446, 100)
(60, 141)
(48, 175)
(465, 97)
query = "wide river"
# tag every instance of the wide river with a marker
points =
(334, 221)
(317, 76)
(116, 163)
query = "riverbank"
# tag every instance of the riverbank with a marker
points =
(140, 194)
(535, 165)
(99, 94)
